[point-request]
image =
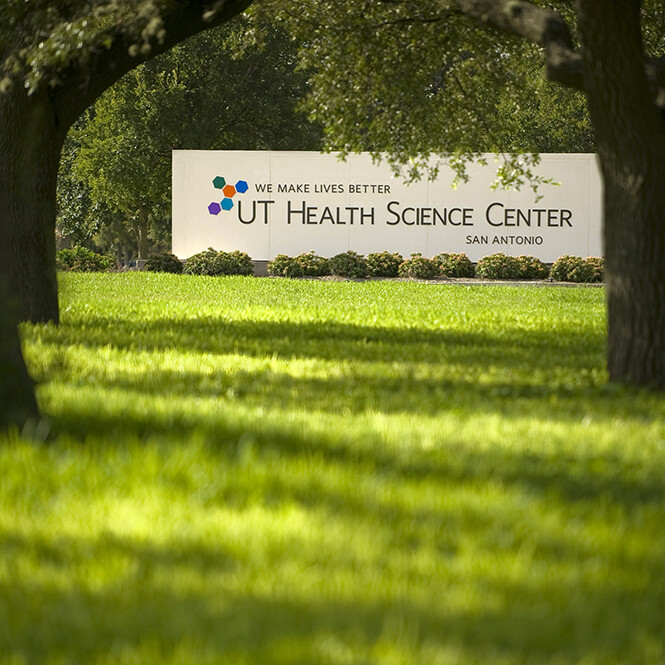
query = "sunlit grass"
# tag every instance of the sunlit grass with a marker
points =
(274, 471)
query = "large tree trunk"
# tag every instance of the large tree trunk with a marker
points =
(630, 134)
(30, 143)
(17, 395)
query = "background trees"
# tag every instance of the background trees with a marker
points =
(117, 159)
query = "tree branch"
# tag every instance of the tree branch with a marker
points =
(88, 78)
(541, 26)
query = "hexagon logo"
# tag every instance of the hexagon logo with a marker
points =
(229, 191)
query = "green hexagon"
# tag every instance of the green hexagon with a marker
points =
(219, 182)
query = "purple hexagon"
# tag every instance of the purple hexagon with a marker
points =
(218, 182)
(227, 204)
(242, 186)
(214, 208)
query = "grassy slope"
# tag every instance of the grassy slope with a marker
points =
(268, 471)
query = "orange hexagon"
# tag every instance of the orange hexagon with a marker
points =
(229, 190)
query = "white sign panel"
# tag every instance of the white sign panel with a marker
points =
(269, 203)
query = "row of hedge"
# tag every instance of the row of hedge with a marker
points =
(354, 265)
(209, 262)
(384, 264)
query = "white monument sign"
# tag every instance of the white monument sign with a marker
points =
(269, 203)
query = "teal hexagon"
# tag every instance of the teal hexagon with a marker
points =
(218, 182)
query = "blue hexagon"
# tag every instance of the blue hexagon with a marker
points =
(227, 204)
(218, 182)
(214, 208)
(242, 186)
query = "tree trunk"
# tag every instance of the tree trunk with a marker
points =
(142, 233)
(17, 395)
(630, 134)
(30, 143)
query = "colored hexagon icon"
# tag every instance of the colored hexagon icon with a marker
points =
(227, 204)
(242, 186)
(229, 191)
(219, 182)
(214, 208)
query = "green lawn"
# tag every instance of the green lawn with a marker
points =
(264, 471)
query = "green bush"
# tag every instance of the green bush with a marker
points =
(313, 265)
(307, 264)
(212, 262)
(419, 267)
(576, 269)
(234, 263)
(285, 266)
(384, 264)
(81, 259)
(349, 264)
(498, 266)
(164, 263)
(454, 265)
(532, 268)
(202, 263)
(597, 264)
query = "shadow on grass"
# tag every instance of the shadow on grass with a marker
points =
(396, 391)
(334, 341)
(142, 611)
(524, 373)
(562, 393)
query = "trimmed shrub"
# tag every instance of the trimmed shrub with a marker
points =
(166, 262)
(384, 264)
(419, 267)
(285, 266)
(349, 264)
(304, 265)
(212, 262)
(454, 265)
(532, 268)
(81, 259)
(202, 263)
(597, 264)
(498, 266)
(576, 269)
(234, 263)
(313, 265)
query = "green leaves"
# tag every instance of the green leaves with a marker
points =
(408, 80)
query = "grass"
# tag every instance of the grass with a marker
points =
(269, 471)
